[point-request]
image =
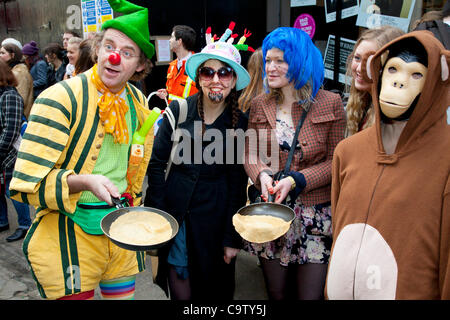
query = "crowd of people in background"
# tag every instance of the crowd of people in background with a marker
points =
(283, 83)
(47, 66)
(31, 71)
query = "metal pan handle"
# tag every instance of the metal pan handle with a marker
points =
(117, 202)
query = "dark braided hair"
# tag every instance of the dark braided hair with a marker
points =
(200, 104)
(230, 100)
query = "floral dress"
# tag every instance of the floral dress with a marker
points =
(308, 239)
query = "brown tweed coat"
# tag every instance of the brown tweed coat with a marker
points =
(322, 130)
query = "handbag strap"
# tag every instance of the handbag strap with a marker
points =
(176, 133)
(294, 142)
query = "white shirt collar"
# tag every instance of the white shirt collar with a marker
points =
(180, 61)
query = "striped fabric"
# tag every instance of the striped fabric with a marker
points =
(69, 253)
(65, 261)
(322, 130)
(25, 247)
(63, 137)
(118, 289)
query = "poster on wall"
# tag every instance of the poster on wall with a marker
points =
(306, 23)
(349, 8)
(162, 49)
(302, 3)
(104, 12)
(346, 48)
(94, 14)
(374, 13)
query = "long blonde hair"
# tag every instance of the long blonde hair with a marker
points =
(359, 102)
(255, 87)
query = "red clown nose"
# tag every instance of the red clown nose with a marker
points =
(114, 58)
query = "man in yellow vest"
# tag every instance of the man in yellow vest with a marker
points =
(179, 85)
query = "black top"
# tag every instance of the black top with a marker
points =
(204, 195)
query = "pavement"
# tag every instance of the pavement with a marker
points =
(16, 282)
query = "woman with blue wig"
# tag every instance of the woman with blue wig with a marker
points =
(293, 75)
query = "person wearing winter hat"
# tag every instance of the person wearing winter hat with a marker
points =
(37, 67)
(74, 158)
(12, 41)
(30, 48)
(204, 195)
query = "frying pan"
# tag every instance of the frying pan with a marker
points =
(268, 208)
(112, 216)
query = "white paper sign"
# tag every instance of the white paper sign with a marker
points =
(328, 60)
(302, 3)
(163, 50)
(374, 13)
(94, 14)
(349, 8)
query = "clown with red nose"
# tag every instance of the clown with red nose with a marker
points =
(84, 138)
(114, 58)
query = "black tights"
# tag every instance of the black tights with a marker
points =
(180, 289)
(198, 288)
(297, 281)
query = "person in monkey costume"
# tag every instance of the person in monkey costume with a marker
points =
(390, 183)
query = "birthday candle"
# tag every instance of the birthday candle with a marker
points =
(208, 35)
(244, 37)
(227, 32)
(231, 40)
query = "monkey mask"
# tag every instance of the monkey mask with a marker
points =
(403, 79)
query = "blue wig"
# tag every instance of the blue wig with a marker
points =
(304, 59)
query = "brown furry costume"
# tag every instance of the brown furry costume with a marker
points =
(391, 212)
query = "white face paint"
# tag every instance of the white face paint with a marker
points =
(401, 83)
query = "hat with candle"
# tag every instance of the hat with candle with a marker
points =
(224, 51)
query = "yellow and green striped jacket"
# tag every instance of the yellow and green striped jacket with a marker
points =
(64, 136)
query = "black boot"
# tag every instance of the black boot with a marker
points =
(4, 228)
(17, 235)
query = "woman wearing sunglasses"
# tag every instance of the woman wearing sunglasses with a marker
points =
(206, 184)
(293, 75)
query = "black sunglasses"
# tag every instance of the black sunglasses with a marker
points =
(224, 73)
